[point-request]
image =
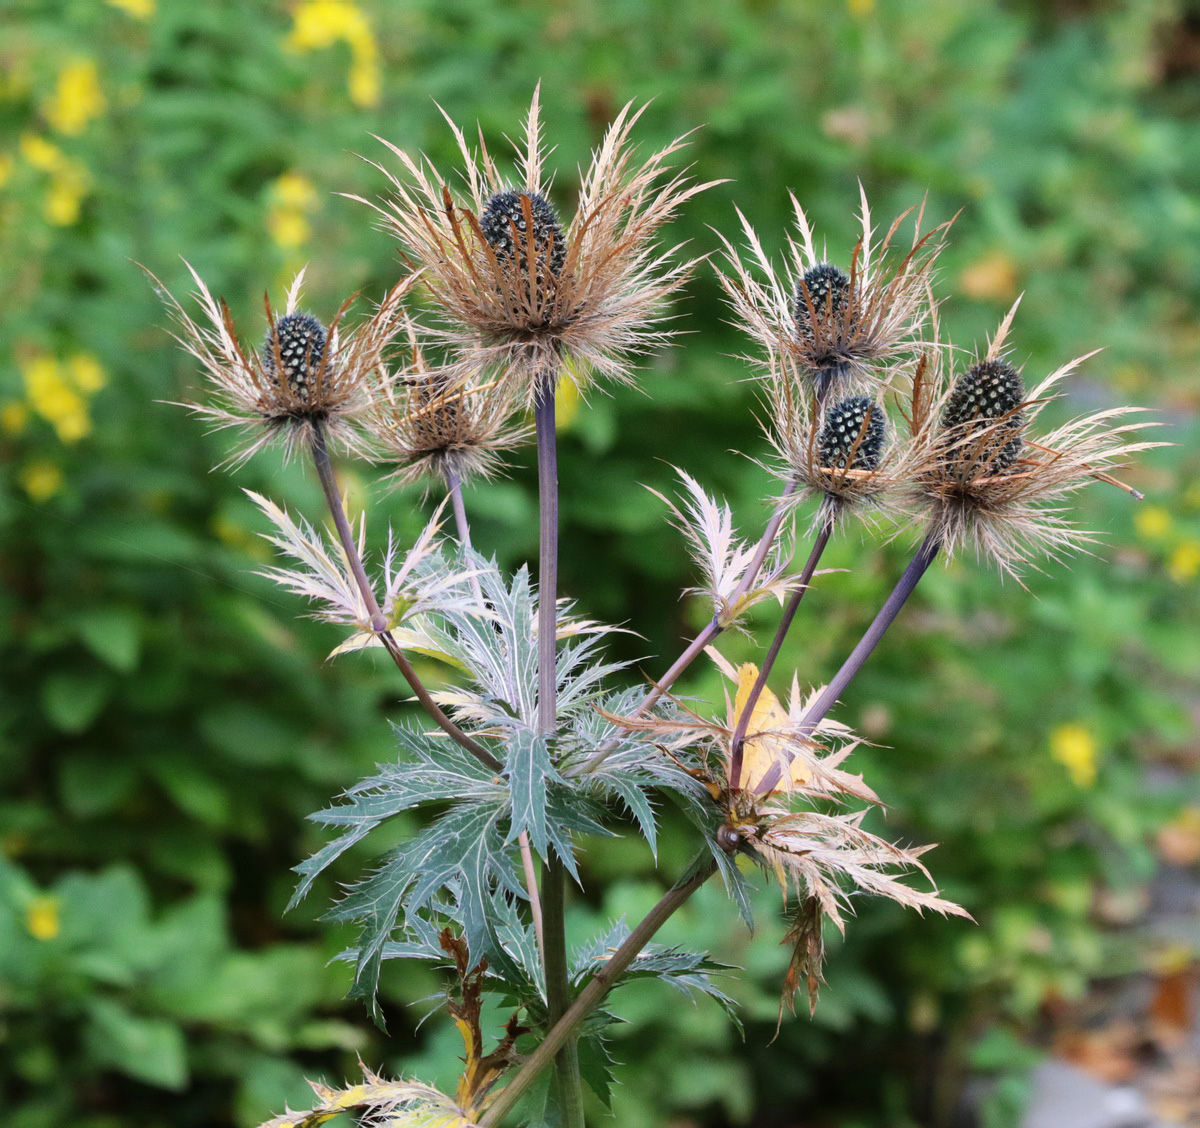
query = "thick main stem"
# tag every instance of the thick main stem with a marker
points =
(738, 740)
(596, 989)
(905, 586)
(568, 1079)
(341, 523)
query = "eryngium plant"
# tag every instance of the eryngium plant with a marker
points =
(539, 739)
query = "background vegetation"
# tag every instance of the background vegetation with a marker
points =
(166, 719)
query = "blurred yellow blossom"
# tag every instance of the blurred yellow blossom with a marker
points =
(14, 416)
(990, 278)
(69, 179)
(139, 9)
(6, 168)
(1073, 746)
(58, 392)
(41, 479)
(1184, 562)
(567, 403)
(41, 918)
(1152, 522)
(86, 373)
(77, 98)
(322, 23)
(860, 9)
(293, 198)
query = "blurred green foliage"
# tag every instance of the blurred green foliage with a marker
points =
(166, 721)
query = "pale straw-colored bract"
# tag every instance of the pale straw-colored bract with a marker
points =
(249, 394)
(1015, 516)
(722, 557)
(417, 583)
(605, 305)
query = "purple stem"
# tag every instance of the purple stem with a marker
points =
(378, 623)
(858, 656)
(738, 740)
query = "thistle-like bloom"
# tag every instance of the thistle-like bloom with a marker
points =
(305, 376)
(444, 423)
(517, 290)
(977, 474)
(843, 455)
(826, 328)
(421, 582)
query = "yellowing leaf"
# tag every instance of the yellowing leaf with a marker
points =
(765, 745)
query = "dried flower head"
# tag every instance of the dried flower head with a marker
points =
(306, 377)
(516, 291)
(774, 799)
(976, 473)
(842, 455)
(824, 327)
(449, 424)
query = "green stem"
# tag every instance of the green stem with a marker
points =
(596, 989)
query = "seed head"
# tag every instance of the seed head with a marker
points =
(825, 291)
(985, 403)
(506, 221)
(854, 434)
(295, 350)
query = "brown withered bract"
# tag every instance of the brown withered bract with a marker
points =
(516, 291)
(446, 423)
(305, 377)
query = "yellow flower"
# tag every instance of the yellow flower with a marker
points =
(139, 9)
(1184, 561)
(6, 168)
(54, 399)
(322, 23)
(41, 480)
(860, 9)
(567, 403)
(293, 197)
(41, 918)
(42, 154)
(1073, 746)
(13, 417)
(77, 98)
(1152, 522)
(86, 373)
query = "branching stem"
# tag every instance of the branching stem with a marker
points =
(738, 740)
(820, 708)
(337, 511)
(596, 989)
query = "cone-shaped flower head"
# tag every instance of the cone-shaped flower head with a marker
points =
(983, 416)
(444, 423)
(294, 353)
(307, 377)
(822, 295)
(854, 435)
(521, 292)
(513, 220)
